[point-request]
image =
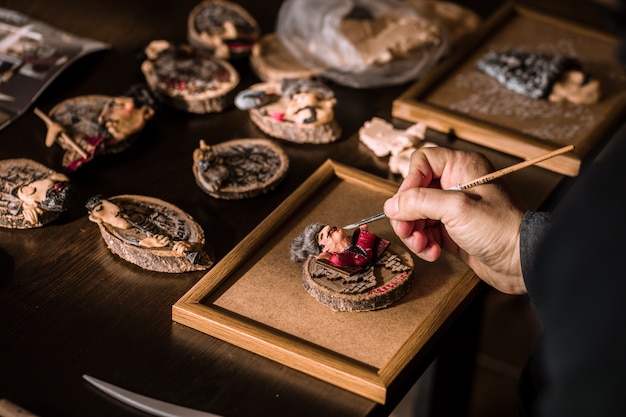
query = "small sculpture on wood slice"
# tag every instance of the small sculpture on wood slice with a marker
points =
(240, 168)
(222, 27)
(188, 78)
(92, 125)
(298, 110)
(363, 273)
(541, 75)
(32, 195)
(150, 233)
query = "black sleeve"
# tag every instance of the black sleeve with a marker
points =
(532, 231)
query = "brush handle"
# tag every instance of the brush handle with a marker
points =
(504, 171)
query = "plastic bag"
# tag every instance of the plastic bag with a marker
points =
(361, 43)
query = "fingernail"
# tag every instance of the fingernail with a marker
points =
(391, 206)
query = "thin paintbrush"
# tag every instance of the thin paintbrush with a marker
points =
(481, 180)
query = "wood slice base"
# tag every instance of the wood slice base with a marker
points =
(206, 29)
(240, 168)
(176, 224)
(377, 287)
(189, 79)
(314, 134)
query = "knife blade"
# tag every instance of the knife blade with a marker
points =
(146, 404)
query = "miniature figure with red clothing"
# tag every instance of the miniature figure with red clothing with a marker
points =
(360, 273)
(364, 248)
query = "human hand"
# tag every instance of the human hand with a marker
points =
(481, 225)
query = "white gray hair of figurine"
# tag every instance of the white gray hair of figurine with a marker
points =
(306, 244)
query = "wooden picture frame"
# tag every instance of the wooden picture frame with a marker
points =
(254, 298)
(456, 97)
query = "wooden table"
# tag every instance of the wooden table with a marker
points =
(69, 307)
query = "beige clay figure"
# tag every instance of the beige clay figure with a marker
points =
(297, 110)
(92, 125)
(32, 195)
(383, 139)
(150, 233)
(223, 27)
(361, 273)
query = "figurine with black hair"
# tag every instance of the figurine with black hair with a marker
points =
(150, 233)
(31, 194)
(92, 125)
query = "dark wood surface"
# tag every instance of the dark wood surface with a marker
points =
(68, 306)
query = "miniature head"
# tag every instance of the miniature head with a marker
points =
(104, 211)
(303, 99)
(308, 94)
(49, 193)
(332, 239)
(317, 238)
(122, 116)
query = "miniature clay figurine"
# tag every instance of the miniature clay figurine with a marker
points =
(223, 27)
(363, 273)
(150, 233)
(240, 168)
(541, 76)
(32, 195)
(332, 243)
(383, 139)
(189, 79)
(297, 110)
(92, 125)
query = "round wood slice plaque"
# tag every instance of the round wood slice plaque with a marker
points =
(31, 194)
(151, 216)
(373, 288)
(223, 27)
(293, 132)
(91, 125)
(188, 78)
(279, 110)
(240, 168)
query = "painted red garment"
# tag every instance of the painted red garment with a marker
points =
(365, 248)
